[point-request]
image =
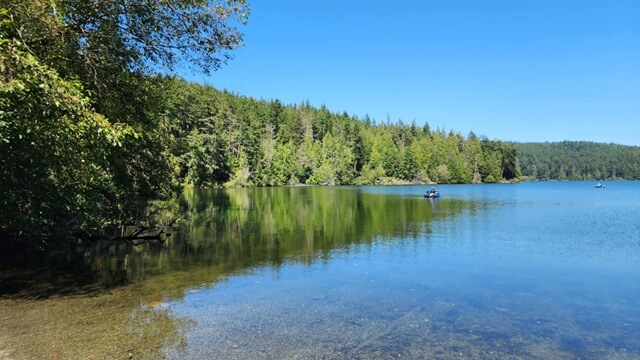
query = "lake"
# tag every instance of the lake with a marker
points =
(541, 270)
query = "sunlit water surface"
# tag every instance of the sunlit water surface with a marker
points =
(545, 270)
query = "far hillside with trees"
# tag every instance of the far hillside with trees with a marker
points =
(578, 160)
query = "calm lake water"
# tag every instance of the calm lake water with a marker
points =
(545, 270)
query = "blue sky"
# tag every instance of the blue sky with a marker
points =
(513, 70)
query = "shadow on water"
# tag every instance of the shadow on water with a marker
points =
(222, 232)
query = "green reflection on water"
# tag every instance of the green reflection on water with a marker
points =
(249, 227)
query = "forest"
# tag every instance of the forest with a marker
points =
(95, 123)
(223, 139)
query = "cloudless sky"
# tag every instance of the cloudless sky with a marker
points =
(543, 70)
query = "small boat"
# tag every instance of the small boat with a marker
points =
(432, 194)
(599, 186)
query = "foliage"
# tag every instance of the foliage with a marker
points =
(83, 142)
(53, 147)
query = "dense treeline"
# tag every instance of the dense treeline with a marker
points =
(578, 160)
(223, 139)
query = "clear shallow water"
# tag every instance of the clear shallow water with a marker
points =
(535, 270)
